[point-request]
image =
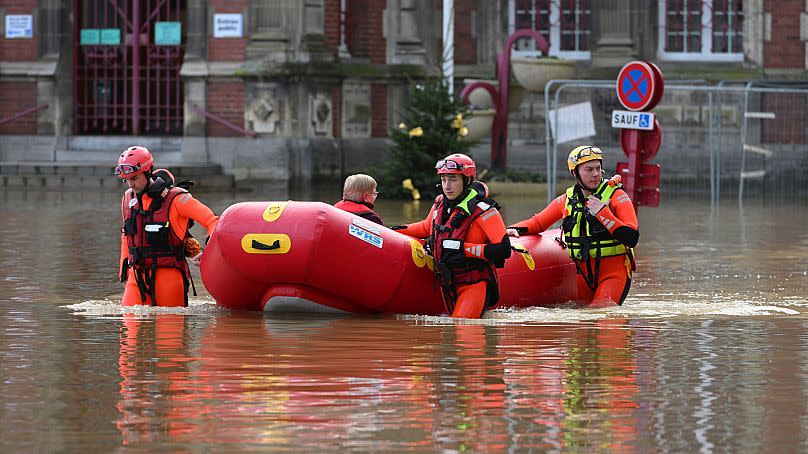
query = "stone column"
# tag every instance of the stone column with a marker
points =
(403, 31)
(196, 34)
(194, 69)
(194, 74)
(755, 31)
(313, 45)
(614, 45)
(274, 29)
(52, 70)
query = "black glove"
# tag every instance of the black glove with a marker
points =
(451, 253)
(521, 230)
(125, 269)
(397, 227)
(497, 253)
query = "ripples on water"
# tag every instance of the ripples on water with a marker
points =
(708, 353)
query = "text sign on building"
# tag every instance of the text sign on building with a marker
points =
(90, 36)
(633, 120)
(167, 33)
(110, 36)
(19, 26)
(228, 26)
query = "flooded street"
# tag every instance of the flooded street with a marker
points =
(709, 351)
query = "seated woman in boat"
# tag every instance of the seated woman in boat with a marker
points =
(358, 196)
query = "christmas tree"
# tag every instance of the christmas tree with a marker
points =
(431, 128)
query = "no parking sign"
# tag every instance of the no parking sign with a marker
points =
(639, 89)
(639, 86)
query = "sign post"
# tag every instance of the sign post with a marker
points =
(639, 88)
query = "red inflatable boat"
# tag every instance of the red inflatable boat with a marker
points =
(310, 256)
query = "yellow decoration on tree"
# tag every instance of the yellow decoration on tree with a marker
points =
(457, 123)
(416, 132)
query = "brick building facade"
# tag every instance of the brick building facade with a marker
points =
(306, 74)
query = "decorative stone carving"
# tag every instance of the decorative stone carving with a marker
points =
(321, 114)
(262, 115)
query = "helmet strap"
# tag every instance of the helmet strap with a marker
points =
(149, 181)
(577, 176)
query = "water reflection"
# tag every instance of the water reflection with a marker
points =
(153, 365)
(316, 385)
(707, 354)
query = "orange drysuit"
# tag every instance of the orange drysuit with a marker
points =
(614, 272)
(168, 282)
(489, 228)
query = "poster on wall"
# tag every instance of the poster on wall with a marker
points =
(228, 26)
(19, 26)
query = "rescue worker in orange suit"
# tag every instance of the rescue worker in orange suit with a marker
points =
(358, 196)
(599, 226)
(153, 237)
(467, 238)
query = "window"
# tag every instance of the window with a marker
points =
(701, 30)
(268, 18)
(565, 24)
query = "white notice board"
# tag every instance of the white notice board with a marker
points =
(19, 26)
(228, 26)
(575, 122)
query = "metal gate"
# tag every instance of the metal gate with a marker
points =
(127, 58)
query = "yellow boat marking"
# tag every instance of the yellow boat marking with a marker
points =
(266, 243)
(419, 255)
(526, 255)
(274, 210)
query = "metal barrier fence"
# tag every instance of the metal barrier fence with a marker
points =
(749, 135)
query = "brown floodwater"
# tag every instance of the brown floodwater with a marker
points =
(709, 352)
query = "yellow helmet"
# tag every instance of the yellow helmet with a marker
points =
(583, 154)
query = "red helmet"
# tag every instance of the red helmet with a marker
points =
(457, 163)
(133, 161)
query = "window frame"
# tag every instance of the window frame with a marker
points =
(555, 35)
(706, 54)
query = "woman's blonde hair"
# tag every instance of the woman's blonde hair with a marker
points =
(357, 186)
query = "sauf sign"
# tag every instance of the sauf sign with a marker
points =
(633, 120)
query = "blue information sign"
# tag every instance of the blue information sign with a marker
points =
(167, 33)
(90, 36)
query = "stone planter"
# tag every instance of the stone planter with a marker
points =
(534, 73)
(482, 100)
(479, 124)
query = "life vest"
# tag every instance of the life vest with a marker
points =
(360, 209)
(151, 241)
(454, 227)
(584, 236)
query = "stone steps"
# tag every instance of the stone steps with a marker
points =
(93, 175)
(81, 155)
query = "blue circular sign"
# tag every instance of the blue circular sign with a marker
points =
(636, 86)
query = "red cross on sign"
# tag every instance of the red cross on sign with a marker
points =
(639, 85)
